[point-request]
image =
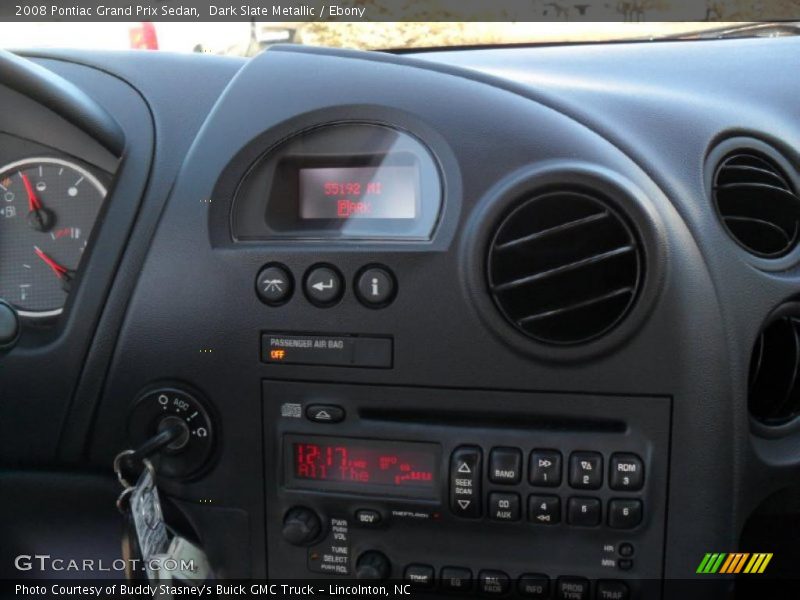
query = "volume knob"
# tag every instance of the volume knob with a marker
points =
(301, 526)
(373, 565)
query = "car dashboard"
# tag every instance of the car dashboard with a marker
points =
(497, 321)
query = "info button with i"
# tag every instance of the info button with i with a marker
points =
(375, 286)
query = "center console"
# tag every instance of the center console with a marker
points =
(456, 490)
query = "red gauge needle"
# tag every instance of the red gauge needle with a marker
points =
(33, 200)
(39, 218)
(60, 271)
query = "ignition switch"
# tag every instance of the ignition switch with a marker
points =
(163, 408)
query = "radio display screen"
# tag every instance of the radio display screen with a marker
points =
(408, 469)
(379, 192)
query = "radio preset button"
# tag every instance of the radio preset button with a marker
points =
(368, 517)
(624, 514)
(584, 512)
(504, 507)
(505, 465)
(420, 576)
(493, 583)
(274, 284)
(586, 470)
(325, 413)
(544, 510)
(545, 468)
(626, 473)
(465, 482)
(455, 579)
(323, 285)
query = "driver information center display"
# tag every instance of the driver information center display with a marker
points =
(385, 192)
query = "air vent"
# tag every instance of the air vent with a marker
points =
(757, 203)
(564, 267)
(774, 395)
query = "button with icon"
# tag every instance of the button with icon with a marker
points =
(323, 285)
(274, 284)
(325, 413)
(375, 286)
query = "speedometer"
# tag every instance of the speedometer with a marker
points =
(48, 207)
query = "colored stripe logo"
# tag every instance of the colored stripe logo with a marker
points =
(734, 563)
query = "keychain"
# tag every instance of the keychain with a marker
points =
(153, 552)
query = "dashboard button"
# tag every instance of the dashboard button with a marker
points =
(584, 512)
(624, 514)
(325, 413)
(368, 517)
(544, 510)
(420, 576)
(626, 472)
(324, 285)
(626, 549)
(505, 465)
(625, 564)
(612, 590)
(533, 585)
(455, 579)
(572, 588)
(504, 507)
(465, 482)
(493, 583)
(274, 285)
(586, 470)
(375, 287)
(545, 468)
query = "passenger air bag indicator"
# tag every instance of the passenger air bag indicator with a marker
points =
(335, 351)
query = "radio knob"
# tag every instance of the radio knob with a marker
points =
(301, 526)
(373, 565)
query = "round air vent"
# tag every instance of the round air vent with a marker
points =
(774, 394)
(564, 267)
(757, 204)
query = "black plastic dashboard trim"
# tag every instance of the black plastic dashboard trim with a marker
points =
(63, 98)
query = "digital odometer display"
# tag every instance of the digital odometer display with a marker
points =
(363, 466)
(383, 192)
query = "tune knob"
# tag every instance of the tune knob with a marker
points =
(373, 565)
(301, 526)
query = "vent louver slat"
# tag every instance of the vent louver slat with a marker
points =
(564, 267)
(774, 394)
(757, 204)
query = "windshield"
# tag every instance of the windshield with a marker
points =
(246, 38)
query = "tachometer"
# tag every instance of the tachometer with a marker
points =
(48, 207)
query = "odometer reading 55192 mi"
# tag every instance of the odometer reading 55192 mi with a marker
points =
(363, 466)
(48, 207)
